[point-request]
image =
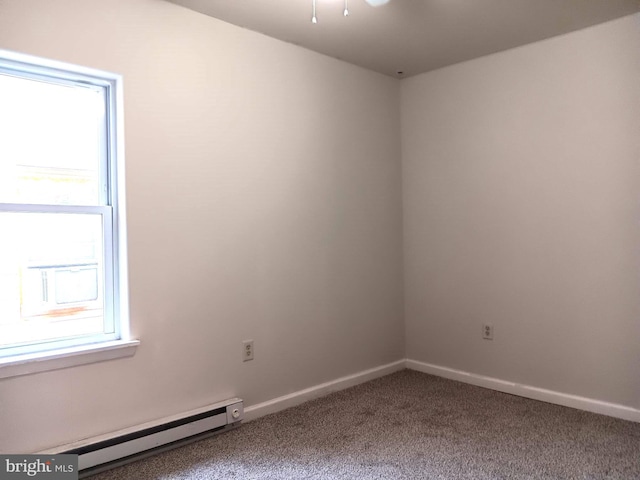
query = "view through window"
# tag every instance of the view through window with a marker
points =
(58, 203)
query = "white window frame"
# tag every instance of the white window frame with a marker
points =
(18, 360)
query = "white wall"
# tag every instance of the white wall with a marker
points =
(264, 202)
(522, 209)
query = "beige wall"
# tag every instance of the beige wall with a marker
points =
(263, 186)
(522, 209)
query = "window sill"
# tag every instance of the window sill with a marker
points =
(68, 357)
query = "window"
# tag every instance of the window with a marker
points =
(62, 255)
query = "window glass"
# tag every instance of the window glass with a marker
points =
(51, 274)
(50, 142)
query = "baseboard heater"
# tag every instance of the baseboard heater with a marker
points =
(108, 451)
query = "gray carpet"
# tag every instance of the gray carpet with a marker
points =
(409, 425)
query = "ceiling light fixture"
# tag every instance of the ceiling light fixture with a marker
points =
(345, 12)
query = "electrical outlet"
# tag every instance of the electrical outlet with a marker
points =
(487, 331)
(247, 350)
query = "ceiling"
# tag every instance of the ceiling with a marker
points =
(413, 36)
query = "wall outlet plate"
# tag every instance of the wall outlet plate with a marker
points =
(487, 331)
(247, 350)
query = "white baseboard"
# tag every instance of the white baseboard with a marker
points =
(296, 398)
(550, 396)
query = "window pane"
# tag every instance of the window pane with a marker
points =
(51, 270)
(50, 142)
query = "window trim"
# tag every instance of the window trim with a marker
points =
(112, 211)
(67, 357)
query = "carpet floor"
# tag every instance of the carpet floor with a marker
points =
(408, 425)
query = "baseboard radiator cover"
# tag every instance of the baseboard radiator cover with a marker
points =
(125, 446)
